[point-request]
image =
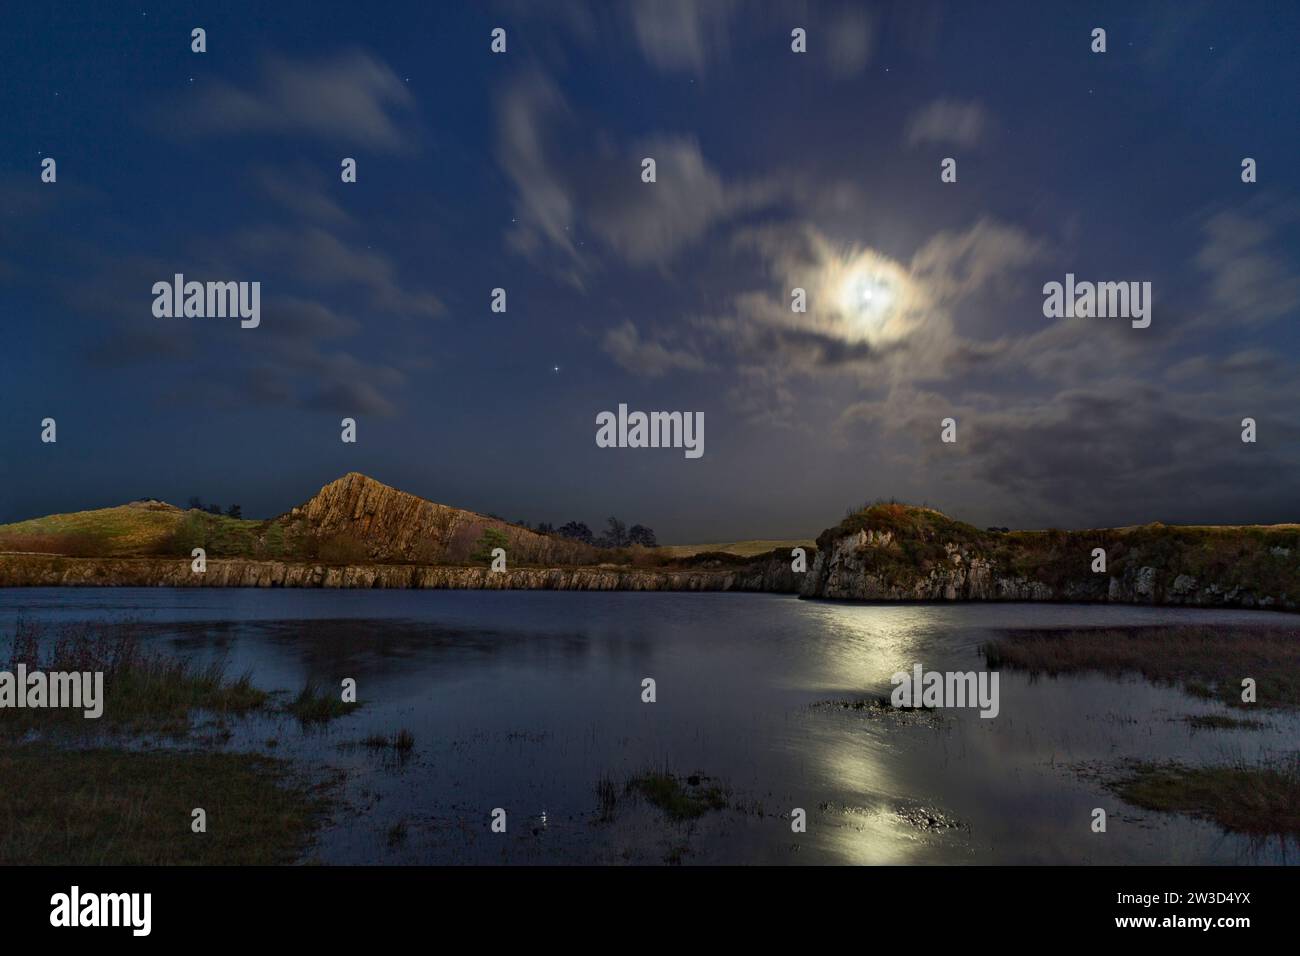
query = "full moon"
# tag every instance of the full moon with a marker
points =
(873, 296)
(867, 297)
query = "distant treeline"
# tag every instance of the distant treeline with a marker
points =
(616, 533)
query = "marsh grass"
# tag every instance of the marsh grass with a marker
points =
(679, 800)
(1261, 799)
(876, 706)
(316, 705)
(70, 807)
(397, 834)
(1220, 722)
(74, 800)
(606, 799)
(143, 691)
(403, 741)
(1206, 662)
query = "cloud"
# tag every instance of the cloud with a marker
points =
(352, 99)
(1248, 281)
(1116, 450)
(956, 265)
(850, 42)
(544, 206)
(340, 381)
(647, 358)
(583, 184)
(302, 353)
(303, 320)
(946, 121)
(651, 223)
(351, 397)
(313, 254)
(301, 192)
(682, 36)
(866, 313)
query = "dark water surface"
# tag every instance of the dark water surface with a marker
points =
(525, 700)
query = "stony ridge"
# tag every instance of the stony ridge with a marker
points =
(397, 525)
(929, 557)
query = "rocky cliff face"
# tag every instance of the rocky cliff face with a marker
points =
(1222, 567)
(396, 526)
(52, 571)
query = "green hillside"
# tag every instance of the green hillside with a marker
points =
(139, 528)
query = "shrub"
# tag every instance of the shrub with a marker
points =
(342, 548)
(492, 538)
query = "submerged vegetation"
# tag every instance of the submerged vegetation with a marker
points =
(315, 705)
(402, 741)
(678, 799)
(143, 691)
(113, 802)
(1260, 800)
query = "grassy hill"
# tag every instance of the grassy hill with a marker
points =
(141, 527)
(352, 520)
(744, 549)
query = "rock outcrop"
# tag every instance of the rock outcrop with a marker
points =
(394, 525)
(896, 553)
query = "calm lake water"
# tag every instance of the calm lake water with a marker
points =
(525, 700)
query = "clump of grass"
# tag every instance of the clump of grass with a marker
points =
(315, 705)
(676, 854)
(1219, 722)
(680, 800)
(403, 741)
(81, 807)
(143, 691)
(397, 833)
(1261, 800)
(606, 799)
(1206, 662)
(875, 705)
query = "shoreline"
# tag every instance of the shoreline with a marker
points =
(49, 571)
(60, 571)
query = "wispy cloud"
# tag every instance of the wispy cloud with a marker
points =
(352, 98)
(947, 121)
(683, 36)
(586, 184)
(650, 359)
(314, 254)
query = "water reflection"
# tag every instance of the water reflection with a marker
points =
(528, 700)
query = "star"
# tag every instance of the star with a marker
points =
(555, 369)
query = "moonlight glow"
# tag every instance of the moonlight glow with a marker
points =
(872, 297)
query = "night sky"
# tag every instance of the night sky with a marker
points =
(774, 170)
